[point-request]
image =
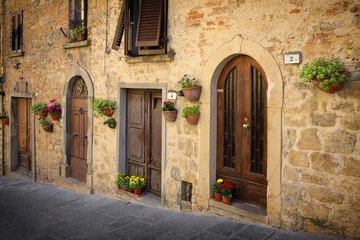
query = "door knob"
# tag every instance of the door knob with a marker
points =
(75, 134)
(246, 126)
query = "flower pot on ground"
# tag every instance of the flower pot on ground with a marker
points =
(111, 122)
(190, 88)
(217, 189)
(40, 109)
(138, 191)
(54, 110)
(226, 191)
(104, 107)
(192, 113)
(169, 111)
(226, 200)
(122, 181)
(136, 182)
(329, 76)
(4, 118)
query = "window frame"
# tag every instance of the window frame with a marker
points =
(78, 16)
(17, 32)
(129, 28)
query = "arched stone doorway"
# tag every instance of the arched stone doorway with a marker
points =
(210, 75)
(78, 96)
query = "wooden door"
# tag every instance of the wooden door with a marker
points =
(24, 132)
(144, 137)
(241, 134)
(78, 129)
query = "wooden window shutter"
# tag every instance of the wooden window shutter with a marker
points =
(120, 28)
(149, 25)
(17, 31)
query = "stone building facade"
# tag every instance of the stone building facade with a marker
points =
(312, 146)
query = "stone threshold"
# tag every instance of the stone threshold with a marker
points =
(73, 185)
(145, 198)
(238, 210)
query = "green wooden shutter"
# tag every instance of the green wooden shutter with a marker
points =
(149, 25)
(120, 28)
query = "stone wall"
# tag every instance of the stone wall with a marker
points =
(320, 167)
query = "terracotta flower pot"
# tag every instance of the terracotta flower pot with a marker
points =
(80, 37)
(55, 116)
(217, 196)
(43, 114)
(193, 119)
(170, 116)
(332, 88)
(48, 128)
(138, 191)
(226, 200)
(5, 121)
(107, 111)
(192, 94)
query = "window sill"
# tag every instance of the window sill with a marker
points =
(84, 43)
(154, 58)
(16, 54)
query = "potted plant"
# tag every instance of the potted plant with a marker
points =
(226, 192)
(217, 189)
(40, 109)
(329, 76)
(104, 107)
(111, 122)
(121, 181)
(192, 113)
(137, 184)
(4, 118)
(190, 88)
(54, 109)
(169, 111)
(46, 125)
(78, 33)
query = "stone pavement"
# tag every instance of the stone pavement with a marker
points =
(43, 211)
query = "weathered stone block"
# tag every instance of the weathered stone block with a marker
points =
(309, 140)
(298, 159)
(323, 162)
(323, 120)
(315, 178)
(351, 123)
(290, 174)
(340, 141)
(326, 195)
(351, 167)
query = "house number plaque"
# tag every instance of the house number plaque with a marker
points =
(292, 58)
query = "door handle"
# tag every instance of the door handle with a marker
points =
(75, 134)
(246, 126)
(85, 136)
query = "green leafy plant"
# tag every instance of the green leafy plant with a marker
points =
(187, 82)
(39, 107)
(168, 106)
(226, 189)
(4, 115)
(191, 110)
(77, 31)
(325, 72)
(216, 186)
(136, 182)
(122, 181)
(99, 104)
(44, 122)
(111, 122)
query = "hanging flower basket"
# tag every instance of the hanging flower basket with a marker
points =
(332, 88)
(5, 121)
(55, 116)
(170, 116)
(193, 119)
(192, 94)
(107, 111)
(48, 128)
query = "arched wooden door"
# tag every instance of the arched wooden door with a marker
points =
(78, 130)
(241, 129)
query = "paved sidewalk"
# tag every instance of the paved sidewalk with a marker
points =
(43, 211)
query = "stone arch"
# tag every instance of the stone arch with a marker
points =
(207, 130)
(77, 71)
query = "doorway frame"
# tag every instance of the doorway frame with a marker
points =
(210, 74)
(77, 71)
(121, 129)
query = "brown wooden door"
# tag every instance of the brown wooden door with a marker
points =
(144, 136)
(241, 134)
(79, 127)
(24, 132)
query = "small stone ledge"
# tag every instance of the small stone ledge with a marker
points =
(240, 210)
(155, 58)
(146, 198)
(16, 54)
(73, 185)
(77, 44)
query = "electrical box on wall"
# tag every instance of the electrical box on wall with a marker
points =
(292, 58)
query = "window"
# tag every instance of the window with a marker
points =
(143, 24)
(78, 16)
(17, 32)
